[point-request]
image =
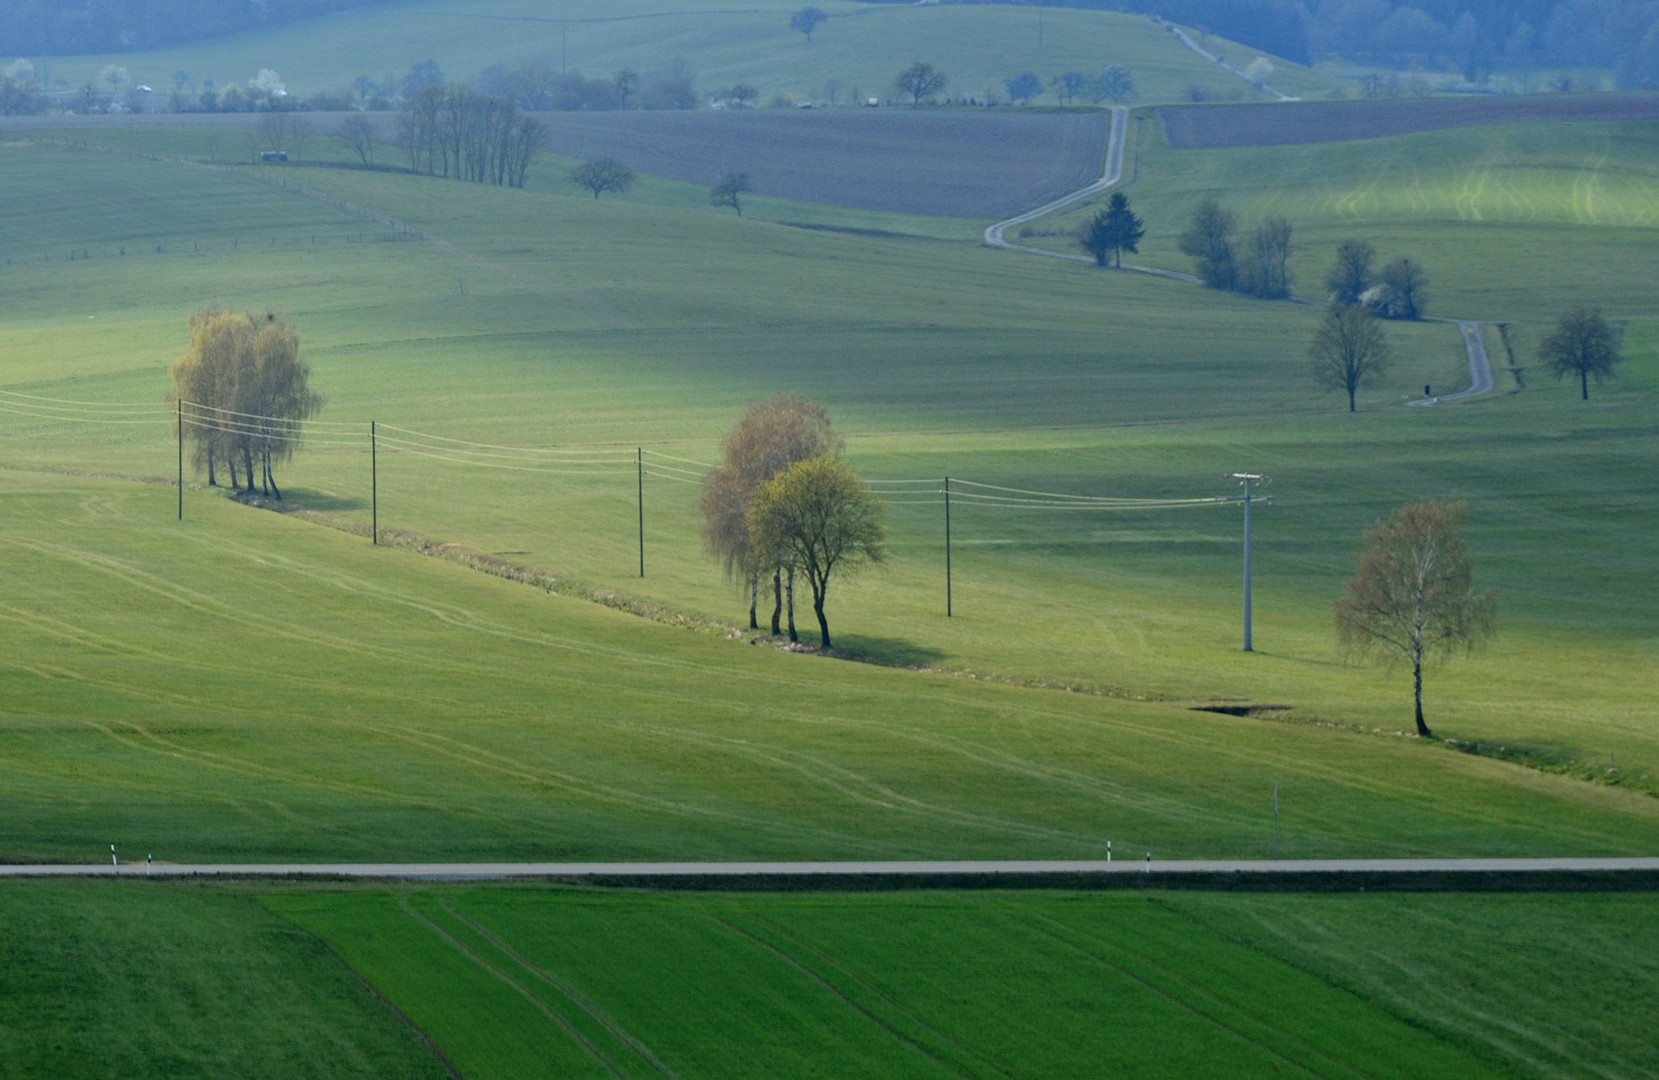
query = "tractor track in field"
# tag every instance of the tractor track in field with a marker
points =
(1480, 365)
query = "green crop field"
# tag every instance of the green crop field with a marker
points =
(514, 981)
(862, 47)
(247, 685)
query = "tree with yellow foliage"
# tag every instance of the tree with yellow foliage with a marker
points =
(243, 392)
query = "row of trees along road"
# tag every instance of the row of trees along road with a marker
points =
(454, 131)
(243, 392)
(782, 503)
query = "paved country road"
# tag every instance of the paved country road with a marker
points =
(1480, 368)
(914, 869)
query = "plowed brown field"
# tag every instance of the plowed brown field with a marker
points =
(1192, 126)
(957, 164)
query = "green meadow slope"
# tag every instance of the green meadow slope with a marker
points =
(543, 317)
(862, 47)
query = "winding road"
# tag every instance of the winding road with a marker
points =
(1480, 366)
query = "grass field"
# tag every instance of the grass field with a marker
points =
(137, 979)
(1009, 984)
(247, 685)
(579, 324)
(98, 980)
(862, 47)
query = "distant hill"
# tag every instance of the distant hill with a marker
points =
(1472, 36)
(66, 27)
(855, 54)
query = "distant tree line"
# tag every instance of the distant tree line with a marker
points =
(454, 131)
(543, 88)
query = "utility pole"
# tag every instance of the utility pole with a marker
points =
(947, 549)
(178, 409)
(639, 465)
(374, 484)
(1245, 478)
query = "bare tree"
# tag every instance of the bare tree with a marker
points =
(1401, 291)
(282, 130)
(1266, 271)
(627, 84)
(743, 96)
(730, 191)
(356, 133)
(1069, 85)
(1349, 350)
(1412, 597)
(1350, 275)
(1582, 343)
(919, 81)
(1114, 84)
(1023, 87)
(602, 175)
(820, 518)
(807, 20)
(1209, 241)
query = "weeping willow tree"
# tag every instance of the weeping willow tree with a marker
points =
(243, 394)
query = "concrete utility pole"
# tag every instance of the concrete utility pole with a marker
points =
(1245, 478)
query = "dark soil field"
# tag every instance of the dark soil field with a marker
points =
(1193, 126)
(931, 161)
(957, 164)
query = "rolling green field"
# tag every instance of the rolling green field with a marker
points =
(862, 47)
(631, 323)
(1514, 222)
(526, 980)
(245, 685)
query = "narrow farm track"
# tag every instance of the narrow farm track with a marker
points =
(1186, 39)
(1480, 366)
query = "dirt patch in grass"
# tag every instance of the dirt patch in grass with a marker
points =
(1194, 126)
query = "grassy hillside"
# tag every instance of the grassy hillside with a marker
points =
(862, 47)
(621, 323)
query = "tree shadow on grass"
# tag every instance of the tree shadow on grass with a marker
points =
(298, 498)
(890, 652)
